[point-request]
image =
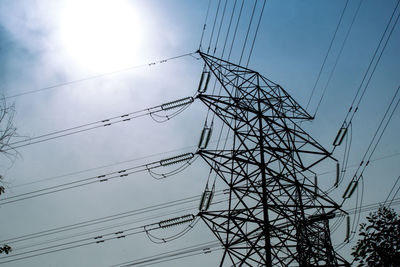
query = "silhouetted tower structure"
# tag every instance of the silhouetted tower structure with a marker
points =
(276, 216)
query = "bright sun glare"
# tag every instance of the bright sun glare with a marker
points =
(101, 35)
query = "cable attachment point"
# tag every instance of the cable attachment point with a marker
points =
(177, 103)
(176, 159)
(176, 221)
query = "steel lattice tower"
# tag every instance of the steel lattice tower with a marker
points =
(275, 215)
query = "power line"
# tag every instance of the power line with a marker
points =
(248, 30)
(338, 57)
(118, 216)
(379, 58)
(352, 110)
(236, 28)
(191, 209)
(173, 253)
(104, 166)
(205, 24)
(391, 190)
(152, 111)
(102, 219)
(327, 53)
(395, 194)
(229, 27)
(213, 28)
(220, 26)
(103, 237)
(255, 35)
(188, 158)
(97, 76)
(365, 161)
(83, 242)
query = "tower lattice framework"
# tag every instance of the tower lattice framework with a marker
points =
(275, 215)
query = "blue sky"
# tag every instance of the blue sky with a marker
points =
(45, 43)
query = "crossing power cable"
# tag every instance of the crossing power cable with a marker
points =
(128, 213)
(117, 216)
(191, 148)
(81, 242)
(100, 238)
(255, 35)
(213, 28)
(236, 28)
(229, 28)
(327, 54)
(353, 185)
(220, 26)
(205, 25)
(165, 255)
(391, 190)
(338, 57)
(248, 31)
(44, 234)
(179, 104)
(373, 144)
(98, 76)
(374, 62)
(186, 158)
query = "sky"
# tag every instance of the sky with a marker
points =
(87, 61)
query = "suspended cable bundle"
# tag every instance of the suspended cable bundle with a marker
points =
(189, 218)
(154, 112)
(99, 178)
(187, 159)
(374, 62)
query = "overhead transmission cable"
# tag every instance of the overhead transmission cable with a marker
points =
(213, 28)
(255, 35)
(179, 104)
(353, 109)
(165, 255)
(327, 54)
(338, 57)
(100, 239)
(229, 28)
(373, 144)
(97, 76)
(166, 223)
(205, 25)
(186, 158)
(95, 240)
(248, 30)
(236, 28)
(111, 218)
(220, 26)
(189, 218)
(103, 166)
(106, 166)
(353, 185)
(391, 190)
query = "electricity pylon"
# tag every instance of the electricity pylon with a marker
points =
(276, 216)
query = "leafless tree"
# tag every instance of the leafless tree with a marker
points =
(8, 132)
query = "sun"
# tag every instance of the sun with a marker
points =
(101, 35)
